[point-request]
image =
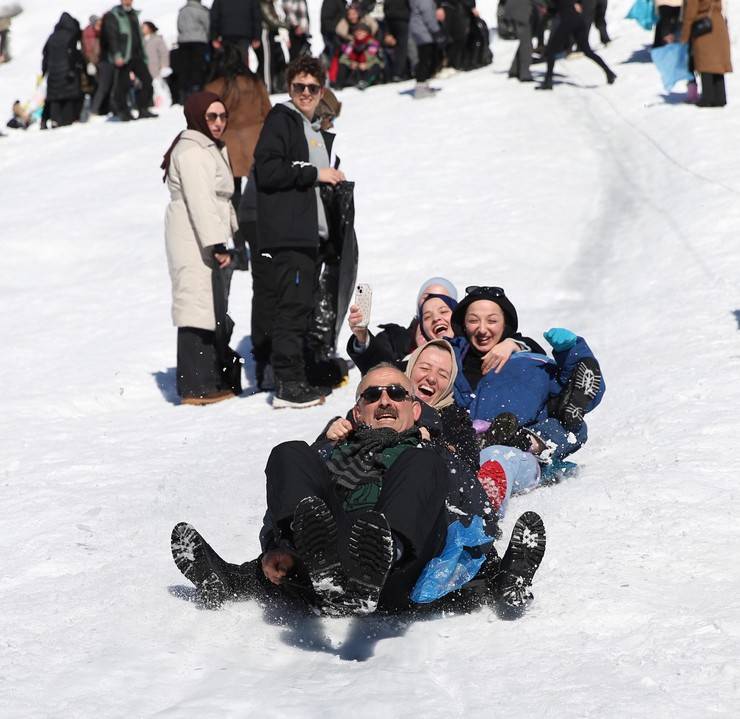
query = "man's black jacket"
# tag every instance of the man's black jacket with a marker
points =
(236, 19)
(287, 215)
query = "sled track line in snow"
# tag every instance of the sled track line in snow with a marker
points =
(643, 194)
(647, 136)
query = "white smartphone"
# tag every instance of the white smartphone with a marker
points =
(364, 300)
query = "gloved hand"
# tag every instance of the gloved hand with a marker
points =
(560, 339)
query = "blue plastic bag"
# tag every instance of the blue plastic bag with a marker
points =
(644, 12)
(455, 566)
(672, 61)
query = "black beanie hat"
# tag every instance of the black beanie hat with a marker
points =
(494, 294)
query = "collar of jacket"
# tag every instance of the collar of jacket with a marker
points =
(197, 137)
(315, 124)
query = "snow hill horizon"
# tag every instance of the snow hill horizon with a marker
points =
(610, 210)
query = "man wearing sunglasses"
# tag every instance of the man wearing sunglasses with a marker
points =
(292, 158)
(350, 524)
(353, 520)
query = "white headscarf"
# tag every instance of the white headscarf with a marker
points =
(446, 398)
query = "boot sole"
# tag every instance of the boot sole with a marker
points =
(586, 385)
(521, 561)
(315, 537)
(279, 403)
(370, 560)
(191, 554)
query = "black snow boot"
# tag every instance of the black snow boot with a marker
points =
(196, 559)
(580, 391)
(370, 558)
(510, 588)
(315, 540)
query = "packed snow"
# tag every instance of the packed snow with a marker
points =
(610, 210)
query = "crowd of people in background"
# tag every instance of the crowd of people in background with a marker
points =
(119, 65)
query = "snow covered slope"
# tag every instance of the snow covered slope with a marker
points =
(604, 209)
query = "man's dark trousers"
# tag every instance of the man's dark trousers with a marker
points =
(412, 499)
(145, 96)
(294, 273)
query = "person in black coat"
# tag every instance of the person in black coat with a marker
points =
(236, 22)
(332, 11)
(571, 23)
(397, 14)
(63, 65)
(292, 221)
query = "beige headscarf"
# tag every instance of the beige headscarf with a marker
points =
(446, 399)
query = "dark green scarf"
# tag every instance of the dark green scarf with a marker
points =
(357, 466)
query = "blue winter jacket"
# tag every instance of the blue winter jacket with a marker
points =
(522, 387)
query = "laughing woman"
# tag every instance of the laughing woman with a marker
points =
(525, 391)
(199, 223)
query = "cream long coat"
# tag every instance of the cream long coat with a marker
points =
(200, 214)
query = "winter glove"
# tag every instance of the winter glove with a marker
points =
(560, 339)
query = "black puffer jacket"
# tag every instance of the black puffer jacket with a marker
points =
(62, 61)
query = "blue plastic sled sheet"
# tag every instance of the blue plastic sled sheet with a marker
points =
(643, 11)
(455, 566)
(672, 61)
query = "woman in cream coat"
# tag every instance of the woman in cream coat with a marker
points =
(199, 223)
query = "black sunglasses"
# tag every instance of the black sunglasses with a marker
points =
(300, 87)
(396, 392)
(476, 290)
(213, 116)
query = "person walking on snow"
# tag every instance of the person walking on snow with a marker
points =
(571, 23)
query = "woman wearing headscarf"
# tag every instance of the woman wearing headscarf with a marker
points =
(199, 223)
(395, 342)
(432, 370)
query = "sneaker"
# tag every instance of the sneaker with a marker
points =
(296, 395)
(315, 540)
(208, 398)
(511, 586)
(581, 390)
(196, 559)
(422, 91)
(370, 560)
(145, 114)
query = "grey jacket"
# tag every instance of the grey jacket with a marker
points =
(193, 23)
(422, 22)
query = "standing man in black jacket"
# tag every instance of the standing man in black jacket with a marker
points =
(293, 155)
(236, 22)
(122, 44)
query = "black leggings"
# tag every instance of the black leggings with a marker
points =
(560, 37)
